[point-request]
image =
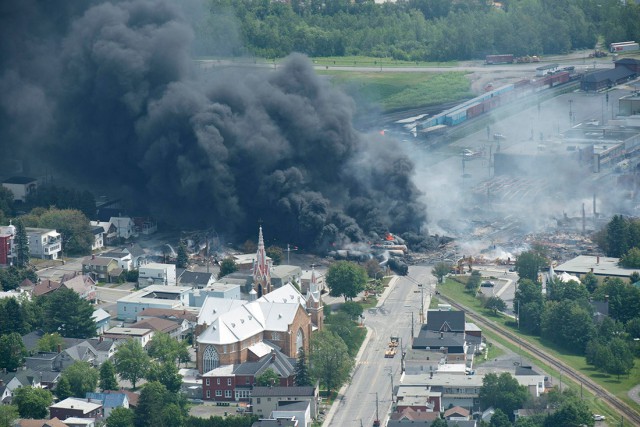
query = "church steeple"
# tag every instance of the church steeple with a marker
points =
(261, 269)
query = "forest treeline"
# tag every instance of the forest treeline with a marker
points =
(415, 30)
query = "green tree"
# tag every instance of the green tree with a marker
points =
(12, 317)
(373, 269)
(439, 422)
(50, 342)
(120, 417)
(631, 259)
(73, 225)
(32, 402)
(8, 415)
(131, 361)
(528, 265)
(495, 304)
(341, 325)
(275, 253)
(108, 380)
(167, 349)
(165, 373)
(352, 309)
(572, 412)
(21, 243)
(82, 377)
(557, 290)
(302, 370)
(502, 392)
(590, 281)
(6, 202)
(172, 416)
(227, 266)
(330, 360)
(440, 270)
(63, 389)
(617, 236)
(68, 314)
(268, 378)
(154, 398)
(182, 259)
(622, 360)
(568, 324)
(473, 283)
(346, 279)
(12, 351)
(499, 419)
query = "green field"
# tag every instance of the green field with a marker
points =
(393, 91)
(619, 387)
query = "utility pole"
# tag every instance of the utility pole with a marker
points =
(391, 376)
(412, 324)
(421, 305)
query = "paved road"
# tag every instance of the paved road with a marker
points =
(374, 373)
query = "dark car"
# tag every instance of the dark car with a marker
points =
(487, 284)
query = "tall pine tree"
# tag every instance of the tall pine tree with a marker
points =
(108, 379)
(21, 243)
(302, 371)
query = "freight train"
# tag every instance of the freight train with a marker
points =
(491, 100)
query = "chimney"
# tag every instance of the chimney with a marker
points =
(100, 338)
(441, 335)
(598, 260)
(93, 257)
(59, 348)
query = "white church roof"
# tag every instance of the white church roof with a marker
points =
(213, 307)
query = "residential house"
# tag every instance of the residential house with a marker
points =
(44, 287)
(98, 237)
(44, 243)
(145, 225)
(408, 415)
(196, 279)
(124, 258)
(109, 401)
(142, 335)
(155, 296)
(191, 383)
(125, 227)
(110, 233)
(276, 422)
(102, 318)
(5, 394)
(72, 407)
(187, 318)
(101, 269)
(83, 285)
(138, 255)
(218, 290)
(21, 378)
(79, 422)
(6, 245)
(300, 411)
(283, 274)
(419, 398)
(457, 390)
(532, 380)
(155, 273)
(452, 344)
(53, 422)
(104, 348)
(305, 280)
(169, 327)
(20, 186)
(235, 382)
(457, 413)
(265, 399)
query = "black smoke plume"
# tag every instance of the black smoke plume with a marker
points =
(109, 95)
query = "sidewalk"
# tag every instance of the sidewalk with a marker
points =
(343, 389)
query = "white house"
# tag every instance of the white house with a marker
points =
(20, 186)
(154, 296)
(125, 227)
(44, 243)
(155, 273)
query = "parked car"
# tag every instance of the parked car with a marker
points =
(597, 417)
(487, 284)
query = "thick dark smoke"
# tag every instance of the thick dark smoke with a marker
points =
(111, 97)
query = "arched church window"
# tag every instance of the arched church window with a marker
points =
(210, 358)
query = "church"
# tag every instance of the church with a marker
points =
(232, 332)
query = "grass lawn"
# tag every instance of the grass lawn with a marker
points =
(397, 90)
(618, 387)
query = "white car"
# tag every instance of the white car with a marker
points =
(597, 417)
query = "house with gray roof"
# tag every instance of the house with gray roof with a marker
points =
(109, 401)
(265, 400)
(196, 279)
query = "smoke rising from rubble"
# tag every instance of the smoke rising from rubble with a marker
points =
(110, 96)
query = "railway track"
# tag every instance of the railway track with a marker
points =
(614, 402)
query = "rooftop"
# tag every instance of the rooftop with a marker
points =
(81, 404)
(19, 180)
(602, 266)
(283, 391)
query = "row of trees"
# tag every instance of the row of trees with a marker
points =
(566, 317)
(413, 30)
